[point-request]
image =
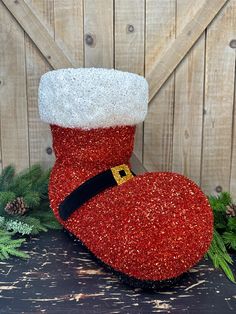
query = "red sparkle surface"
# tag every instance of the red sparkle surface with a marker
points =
(153, 227)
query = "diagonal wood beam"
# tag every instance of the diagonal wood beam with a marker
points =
(165, 65)
(161, 68)
(29, 21)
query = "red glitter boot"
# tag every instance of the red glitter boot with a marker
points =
(149, 229)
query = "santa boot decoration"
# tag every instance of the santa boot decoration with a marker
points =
(149, 229)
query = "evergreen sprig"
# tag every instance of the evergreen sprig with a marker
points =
(18, 227)
(219, 255)
(229, 238)
(224, 235)
(32, 186)
(9, 246)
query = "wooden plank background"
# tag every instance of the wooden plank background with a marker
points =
(190, 127)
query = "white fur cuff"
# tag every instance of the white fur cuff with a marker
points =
(90, 98)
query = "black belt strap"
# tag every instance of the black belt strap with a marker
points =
(93, 186)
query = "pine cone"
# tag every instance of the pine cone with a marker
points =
(231, 210)
(16, 207)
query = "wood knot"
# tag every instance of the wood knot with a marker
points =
(232, 43)
(186, 134)
(130, 28)
(49, 150)
(89, 40)
(219, 189)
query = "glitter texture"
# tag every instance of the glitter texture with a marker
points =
(92, 97)
(153, 227)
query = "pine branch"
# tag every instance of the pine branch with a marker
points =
(14, 226)
(34, 223)
(5, 197)
(30, 175)
(219, 256)
(18, 227)
(6, 177)
(32, 199)
(47, 219)
(231, 225)
(30, 180)
(41, 185)
(220, 202)
(229, 238)
(10, 247)
(24, 208)
(224, 233)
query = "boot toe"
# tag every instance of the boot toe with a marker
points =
(153, 227)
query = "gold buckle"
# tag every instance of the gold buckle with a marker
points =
(118, 177)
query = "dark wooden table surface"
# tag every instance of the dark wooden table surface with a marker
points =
(61, 277)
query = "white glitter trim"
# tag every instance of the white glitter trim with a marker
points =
(92, 97)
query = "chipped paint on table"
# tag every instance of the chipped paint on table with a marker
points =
(61, 277)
